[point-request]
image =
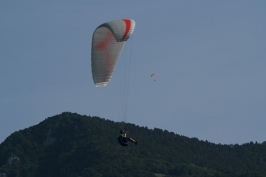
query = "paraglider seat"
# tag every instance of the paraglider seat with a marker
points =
(122, 141)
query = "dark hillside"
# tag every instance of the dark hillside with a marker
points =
(77, 146)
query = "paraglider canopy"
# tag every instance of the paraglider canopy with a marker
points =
(154, 74)
(107, 43)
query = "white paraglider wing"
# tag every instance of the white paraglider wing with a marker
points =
(154, 74)
(107, 43)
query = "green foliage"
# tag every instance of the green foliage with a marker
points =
(71, 145)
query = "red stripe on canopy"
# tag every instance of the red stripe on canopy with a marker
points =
(128, 24)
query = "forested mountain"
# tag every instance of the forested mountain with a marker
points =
(72, 145)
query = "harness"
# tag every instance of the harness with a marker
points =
(123, 141)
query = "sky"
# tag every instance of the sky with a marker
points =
(210, 57)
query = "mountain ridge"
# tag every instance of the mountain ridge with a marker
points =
(70, 144)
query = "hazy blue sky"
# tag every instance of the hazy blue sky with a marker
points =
(210, 57)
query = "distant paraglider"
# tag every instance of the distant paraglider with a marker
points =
(153, 75)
